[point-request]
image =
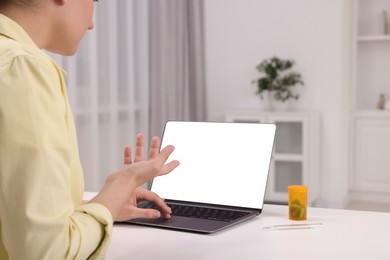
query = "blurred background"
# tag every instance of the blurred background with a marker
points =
(149, 61)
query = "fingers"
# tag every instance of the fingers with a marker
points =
(127, 155)
(147, 213)
(167, 168)
(143, 171)
(139, 148)
(139, 151)
(165, 153)
(154, 147)
(163, 157)
(159, 202)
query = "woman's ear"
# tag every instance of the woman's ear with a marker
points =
(61, 2)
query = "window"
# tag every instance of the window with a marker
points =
(108, 87)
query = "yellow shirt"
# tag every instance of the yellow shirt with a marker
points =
(41, 179)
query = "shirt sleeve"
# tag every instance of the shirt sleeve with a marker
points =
(38, 217)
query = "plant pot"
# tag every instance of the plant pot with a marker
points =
(280, 105)
(269, 103)
(266, 102)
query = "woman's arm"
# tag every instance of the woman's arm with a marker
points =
(41, 181)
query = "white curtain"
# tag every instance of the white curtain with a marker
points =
(141, 66)
(108, 86)
(177, 84)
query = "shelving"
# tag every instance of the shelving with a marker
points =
(372, 78)
(296, 150)
(373, 38)
(370, 18)
(370, 127)
(371, 52)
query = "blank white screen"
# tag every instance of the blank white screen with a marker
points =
(220, 163)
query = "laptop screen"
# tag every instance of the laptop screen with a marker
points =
(220, 163)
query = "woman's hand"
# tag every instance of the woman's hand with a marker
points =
(139, 150)
(139, 165)
(139, 161)
(131, 211)
(121, 191)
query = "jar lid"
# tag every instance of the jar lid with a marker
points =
(301, 188)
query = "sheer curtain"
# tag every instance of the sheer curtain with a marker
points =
(108, 86)
(140, 66)
(177, 84)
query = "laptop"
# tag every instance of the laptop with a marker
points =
(223, 171)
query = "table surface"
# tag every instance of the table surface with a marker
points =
(344, 234)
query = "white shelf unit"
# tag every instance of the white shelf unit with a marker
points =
(296, 155)
(370, 127)
(371, 53)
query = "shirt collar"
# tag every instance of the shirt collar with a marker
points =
(12, 30)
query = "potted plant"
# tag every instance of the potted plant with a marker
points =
(278, 79)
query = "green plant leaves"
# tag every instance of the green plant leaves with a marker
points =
(278, 79)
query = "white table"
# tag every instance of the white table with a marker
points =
(344, 234)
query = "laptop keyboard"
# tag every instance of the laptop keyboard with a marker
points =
(204, 212)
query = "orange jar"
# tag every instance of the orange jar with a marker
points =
(297, 202)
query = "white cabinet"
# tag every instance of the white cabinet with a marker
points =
(370, 127)
(296, 151)
(372, 172)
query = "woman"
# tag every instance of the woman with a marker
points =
(41, 181)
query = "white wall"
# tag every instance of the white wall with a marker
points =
(315, 33)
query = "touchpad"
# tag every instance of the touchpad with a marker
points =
(174, 221)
